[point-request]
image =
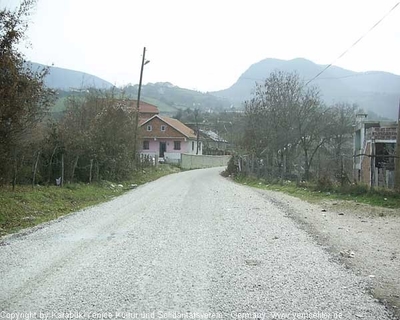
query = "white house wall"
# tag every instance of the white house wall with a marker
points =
(186, 147)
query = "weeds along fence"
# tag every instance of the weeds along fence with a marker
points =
(326, 171)
(58, 169)
(250, 165)
(273, 169)
(147, 160)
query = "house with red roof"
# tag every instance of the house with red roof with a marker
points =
(162, 137)
(167, 138)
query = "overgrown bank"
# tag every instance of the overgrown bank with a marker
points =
(27, 207)
(313, 192)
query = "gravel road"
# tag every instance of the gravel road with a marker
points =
(192, 245)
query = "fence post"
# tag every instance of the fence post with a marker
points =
(62, 170)
(372, 162)
(90, 170)
(35, 169)
(74, 167)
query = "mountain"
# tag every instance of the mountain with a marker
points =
(169, 98)
(65, 79)
(376, 91)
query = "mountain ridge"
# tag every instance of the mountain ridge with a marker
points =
(378, 91)
(67, 79)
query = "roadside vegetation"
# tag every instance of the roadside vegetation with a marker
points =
(314, 192)
(93, 139)
(293, 142)
(26, 207)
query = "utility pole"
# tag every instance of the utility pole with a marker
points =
(196, 114)
(372, 161)
(138, 104)
(397, 159)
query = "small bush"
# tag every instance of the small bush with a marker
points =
(225, 173)
(324, 184)
(232, 168)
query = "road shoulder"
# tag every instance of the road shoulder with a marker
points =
(363, 238)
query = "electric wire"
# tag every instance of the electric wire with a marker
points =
(355, 43)
(359, 74)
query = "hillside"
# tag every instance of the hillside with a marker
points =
(168, 98)
(375, 90)
(65, 79)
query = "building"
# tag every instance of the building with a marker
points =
(167, 138)
(161, 138)
(374, 150)
(213, 143)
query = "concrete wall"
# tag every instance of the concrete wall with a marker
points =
(172, 157)
(189, 161)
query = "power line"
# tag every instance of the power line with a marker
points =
(355, 43)
(358, 74)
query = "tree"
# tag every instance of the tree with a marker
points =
(24, 98)
(312, 118)
(282, 115)
(340, 130)
(98, 128)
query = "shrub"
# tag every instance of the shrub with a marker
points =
(324, 183)
(232, 168)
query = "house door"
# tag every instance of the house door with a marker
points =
(163, 148)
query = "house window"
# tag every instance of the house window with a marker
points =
(146, 145)
(192, 145)
(177, 145)
(149, 127)
(163, 128)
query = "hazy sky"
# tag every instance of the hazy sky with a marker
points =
(207, 44)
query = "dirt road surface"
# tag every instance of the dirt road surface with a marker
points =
(189, 245)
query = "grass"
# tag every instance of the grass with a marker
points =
(309, 192)
(162, 106)
(27, 207)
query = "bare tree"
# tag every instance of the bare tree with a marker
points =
(282, 115)
(311, 118)
(339, 131)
